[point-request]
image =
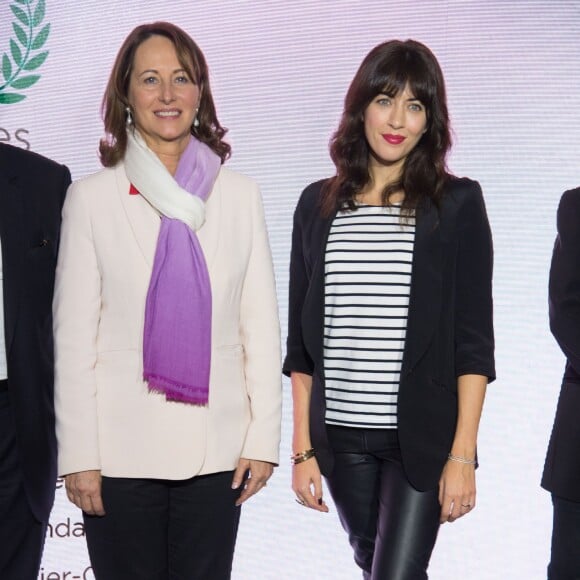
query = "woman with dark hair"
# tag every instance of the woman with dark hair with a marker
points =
(390, 340)
(166, 333)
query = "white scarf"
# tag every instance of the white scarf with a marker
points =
(154, 182)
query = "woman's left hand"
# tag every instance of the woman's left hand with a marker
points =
(456, 490)
(259, 472)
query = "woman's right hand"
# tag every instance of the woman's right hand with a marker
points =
(84, 490)
(307, 484)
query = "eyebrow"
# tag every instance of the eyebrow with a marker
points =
(408, 100)
(152, 70)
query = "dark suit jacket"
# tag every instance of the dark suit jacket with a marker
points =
(32, 191)
(562, 468)
(450, 329)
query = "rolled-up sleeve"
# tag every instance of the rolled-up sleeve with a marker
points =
(474, 338)
(297, 358)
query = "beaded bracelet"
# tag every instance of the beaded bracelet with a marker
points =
(302, 456)
(461, 459)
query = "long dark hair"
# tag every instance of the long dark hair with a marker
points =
(112, 148)
(388, 69)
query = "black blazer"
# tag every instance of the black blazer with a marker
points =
(449, 333)
(32, 191)
(562, 468)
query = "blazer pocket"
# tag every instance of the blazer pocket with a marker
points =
(230, 349)
(444, 386)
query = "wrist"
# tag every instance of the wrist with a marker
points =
(464, 459)
(302, 456)
(464, 448)
(301, 444)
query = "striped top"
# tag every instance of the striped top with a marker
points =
(368, 262)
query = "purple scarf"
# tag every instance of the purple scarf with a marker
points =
(177, 333)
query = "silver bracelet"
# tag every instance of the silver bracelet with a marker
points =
(461, 459)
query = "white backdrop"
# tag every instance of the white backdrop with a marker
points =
(279, 73)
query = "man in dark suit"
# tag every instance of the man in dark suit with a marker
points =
(32, 191)
(562, 469)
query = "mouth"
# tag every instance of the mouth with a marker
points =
(165, 114)
(393, 139)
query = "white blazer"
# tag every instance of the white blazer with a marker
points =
(106, 418)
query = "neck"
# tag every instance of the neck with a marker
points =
(169, 152)
(170, 160)
(384, 174)
(381, 176)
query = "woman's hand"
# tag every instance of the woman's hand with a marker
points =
(84, 490)
(307, 484)
(259, 472)
(456, 490)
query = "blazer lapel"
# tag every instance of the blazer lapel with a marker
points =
(145, 220)
(142, 217)
(14, 248)
(426, 287)
(209, 233)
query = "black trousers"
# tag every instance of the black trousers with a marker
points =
(165, 530)
(21, 534)
(565, 559)
(391, 526)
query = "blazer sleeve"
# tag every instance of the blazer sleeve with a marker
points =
(64, 184)
(76, 309)
(297, 358)
(474, 337)
(564, 284)
(260, 332)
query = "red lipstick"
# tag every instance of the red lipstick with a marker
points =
(393, 139)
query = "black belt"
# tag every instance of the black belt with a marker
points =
(3, 385)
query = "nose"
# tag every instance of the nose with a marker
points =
(396, 118)
(166, 95)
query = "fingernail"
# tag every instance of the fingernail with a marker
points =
(319, 501)
(235, 485)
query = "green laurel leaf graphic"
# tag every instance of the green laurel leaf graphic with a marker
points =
(39, 13)
(25, 82)
(6, 67)
(20, 34)
(35, 62)
(10, 98)
(41, 38)
(21, 15)
(16, 52)
(29, 37)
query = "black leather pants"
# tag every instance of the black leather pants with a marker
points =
(391, 526)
